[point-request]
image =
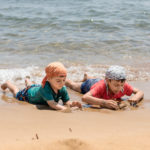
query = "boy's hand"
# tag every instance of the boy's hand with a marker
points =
(66, 110)
(111, 104)
(77, 104)
(133, 102)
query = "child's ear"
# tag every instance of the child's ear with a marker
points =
(48, 79)
(107, 80)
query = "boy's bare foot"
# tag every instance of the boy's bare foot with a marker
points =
(4, 86)
(27, 81)
(86, 77)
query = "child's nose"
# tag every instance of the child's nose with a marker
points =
(62, 83)
(118, 88)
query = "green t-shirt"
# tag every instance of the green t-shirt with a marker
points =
(39, 95)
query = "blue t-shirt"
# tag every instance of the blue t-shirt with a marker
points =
(39, 95)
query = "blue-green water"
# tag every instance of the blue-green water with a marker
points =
(86, 35)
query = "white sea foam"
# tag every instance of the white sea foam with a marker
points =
(75, 72)
(19, 74)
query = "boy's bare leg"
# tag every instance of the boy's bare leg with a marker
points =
(28, 82)
(76, 86)
(13, 89)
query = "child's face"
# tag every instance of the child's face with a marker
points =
(57, 82)
(115, 86)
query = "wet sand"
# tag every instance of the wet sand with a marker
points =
(25, 127)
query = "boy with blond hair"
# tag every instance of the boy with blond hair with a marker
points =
(50, 92)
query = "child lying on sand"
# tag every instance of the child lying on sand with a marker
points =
(51, 91)
(106, 93)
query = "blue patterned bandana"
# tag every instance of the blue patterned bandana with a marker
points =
(115, 73)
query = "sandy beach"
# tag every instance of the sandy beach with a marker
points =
(24, 126)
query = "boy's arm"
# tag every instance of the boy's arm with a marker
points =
(55, 105)
(88, 98)
(138, 95)
(73, 104)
